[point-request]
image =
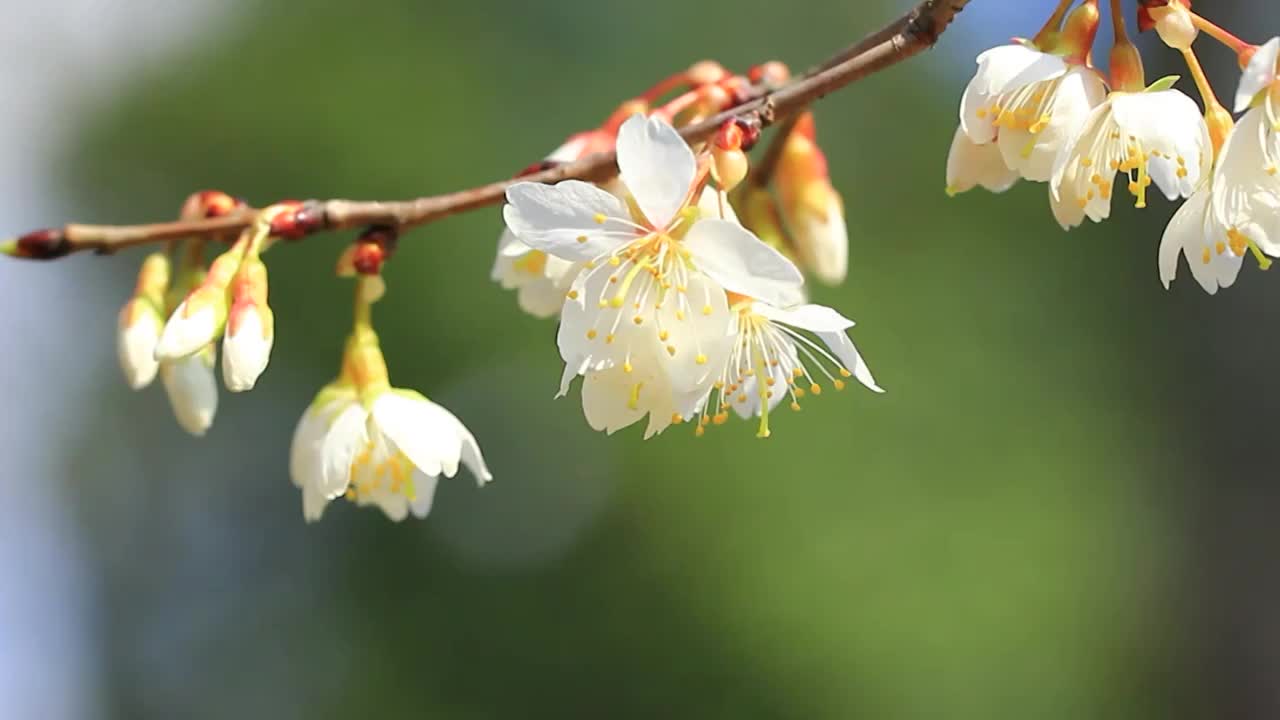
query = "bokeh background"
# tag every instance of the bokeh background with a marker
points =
(1063, 508)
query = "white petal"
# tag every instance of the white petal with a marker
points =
(184, 336)
(1002, 70)
(698, 323)
(1259, 74)
(136, 347)
(970, 165)
(192, 390)
(1184, 234)
(815, 318)
(657, 167)
(555, 219)
(246, 353)
(424, 493)
(347, 437)
(738, 260)
(845, 351)
(427, 436)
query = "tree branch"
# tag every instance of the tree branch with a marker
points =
(901, 40)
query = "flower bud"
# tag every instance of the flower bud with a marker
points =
(811, 207)
(729, 162)
(1174, 25)
(136, 339)
(141, 321)
(192, 390)
(246, 349)
(759, 214)
(706, 72)
(200, 319)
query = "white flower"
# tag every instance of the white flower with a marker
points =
(1214, 252)
(1155, 136)
(654, 271)
(136, 339)
(192, 389)
(970, 165)
(773, 360)
(387, 449)
(1259, 75)
(1030, 104)
(540, 280)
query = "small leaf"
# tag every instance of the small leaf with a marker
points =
(1163, 83)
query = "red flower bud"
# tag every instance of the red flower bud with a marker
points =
(42, 245)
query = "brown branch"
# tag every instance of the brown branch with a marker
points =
(901, 40)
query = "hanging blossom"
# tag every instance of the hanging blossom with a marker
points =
(649, 300)
(773, 360)
(1028, 104)
(1154, 136)
(1249, 171)
(376, 445)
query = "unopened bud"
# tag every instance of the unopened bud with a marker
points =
(201, 317)
(772, 74)
(759, 214)
(706, 72)
(730, 164)
(136, 338)
(294, 220)
(1147, 11)
(193, 390)
(47, 244)
(141, 321)
(246, 349)
(1078, 33)
(811, 207)
(1174, 25)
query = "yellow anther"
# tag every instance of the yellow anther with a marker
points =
(707, 309)
(637, 320)
(591, 334)
(798, 392)
(608, 339)
(572, 295)
(662, 336)
(1086, 162)
(600, 218)
(680, 315)
(701, 359)
(1220, 246)
(845, 373)
(582, 238)
(616, 302)
(671, 350)
(721, 418)
(1207, 255)
(702, 430)
(771, 382)
(839, 384)
(676, 419)
(795, 406)
(626, 367)
(816, 389)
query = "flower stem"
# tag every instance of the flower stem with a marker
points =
(1218, 33)
(1047, 38)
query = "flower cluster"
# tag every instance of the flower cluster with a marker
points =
(1039, 110)
(361, 439)
(678, 285)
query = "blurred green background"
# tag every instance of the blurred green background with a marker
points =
(1013, 531)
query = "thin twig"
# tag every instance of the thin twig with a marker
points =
(905, 38)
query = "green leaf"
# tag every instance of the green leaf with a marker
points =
(1163, 83)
